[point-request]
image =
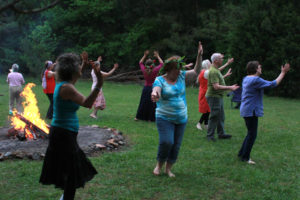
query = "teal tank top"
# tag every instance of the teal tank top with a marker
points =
(64, 111)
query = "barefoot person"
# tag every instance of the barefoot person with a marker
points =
(171, 112)
(146, 109)
(100, 103)
(65, 164)
(252, 103)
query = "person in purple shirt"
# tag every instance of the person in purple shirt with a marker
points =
(15, 81)
(146, 109)
(252, 103)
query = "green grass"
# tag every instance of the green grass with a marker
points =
(204, 170)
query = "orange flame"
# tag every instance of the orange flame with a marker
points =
(31, 113)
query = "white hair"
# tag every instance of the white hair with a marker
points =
(215, 57)
(15, 67)
(206, 64)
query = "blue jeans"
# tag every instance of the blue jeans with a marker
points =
(170, 138)
(251, 123)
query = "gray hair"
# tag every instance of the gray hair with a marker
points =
(67, 66)
(215, 57)
(206, 64)
(15, 67)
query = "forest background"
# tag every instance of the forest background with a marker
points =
(121, 30)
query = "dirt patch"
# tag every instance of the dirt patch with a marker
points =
(91, 139)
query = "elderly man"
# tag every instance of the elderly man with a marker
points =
(214, 95)
(15, 81)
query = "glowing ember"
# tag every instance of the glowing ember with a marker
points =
(31, 113)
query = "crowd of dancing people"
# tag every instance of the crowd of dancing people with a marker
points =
(163, 101)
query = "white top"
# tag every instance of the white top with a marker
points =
(94, 77)
(206, 74)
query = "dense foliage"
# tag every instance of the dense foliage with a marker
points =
(120, 31)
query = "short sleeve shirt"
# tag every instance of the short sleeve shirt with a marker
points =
(172, 104)
(214, 76)
(15, 79)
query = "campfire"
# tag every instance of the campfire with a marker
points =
(28, 125)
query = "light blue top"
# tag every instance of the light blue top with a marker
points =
(252, 95)
(172, 104)
(64, 111)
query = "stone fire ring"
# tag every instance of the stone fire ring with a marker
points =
(91, 139)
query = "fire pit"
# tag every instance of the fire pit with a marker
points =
(92, 139)
(28, 135)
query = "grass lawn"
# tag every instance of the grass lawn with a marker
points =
(204, 170)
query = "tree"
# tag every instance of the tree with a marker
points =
(20, 6)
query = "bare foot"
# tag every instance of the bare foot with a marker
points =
(170, 174)
(136, 119)
(93, 116)
(156, 171)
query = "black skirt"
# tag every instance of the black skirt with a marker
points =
(146, 110)
(65, 163)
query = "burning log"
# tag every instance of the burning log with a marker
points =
(31, 128)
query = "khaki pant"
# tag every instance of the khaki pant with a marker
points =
(14, 95)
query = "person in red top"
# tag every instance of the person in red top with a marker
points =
(202, 80)
(48, 83)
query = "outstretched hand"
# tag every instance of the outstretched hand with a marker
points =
(230, 60)
(285, 68)
(228, 73)
(116, 65)
(155, 54)
(146, 53)
(200, 48)
(99, 59)
(234, 87)
(188, 66)
(155, 96)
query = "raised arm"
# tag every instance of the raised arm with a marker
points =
(69, 92)
(228, 73)
(156, 55)
(144, 56)
(229, 61)
(107, 74)
(198, 63)
(284, 70)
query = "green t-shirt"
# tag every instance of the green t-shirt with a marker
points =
(214, 76)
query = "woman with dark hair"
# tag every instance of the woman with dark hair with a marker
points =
(48, 84)
(65, 164)
(146, 109)
(15, 81)
(252, 103)
(171, 112)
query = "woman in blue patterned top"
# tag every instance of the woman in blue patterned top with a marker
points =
(171, 113)
(252, 103)
(65, 164)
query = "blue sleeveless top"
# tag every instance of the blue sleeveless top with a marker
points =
(64, 111)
